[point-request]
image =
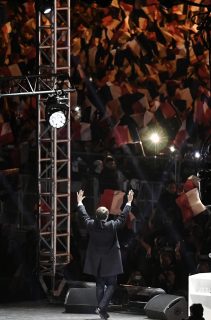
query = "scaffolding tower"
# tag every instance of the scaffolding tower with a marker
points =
(54, 148)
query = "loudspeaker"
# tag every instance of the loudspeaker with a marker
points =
(167, 307)
(80, 300)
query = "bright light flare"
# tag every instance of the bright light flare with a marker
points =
(172, 148)
(155, 138)
(197, 155)
(57, 119)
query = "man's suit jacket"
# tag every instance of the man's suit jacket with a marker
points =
(103, 256)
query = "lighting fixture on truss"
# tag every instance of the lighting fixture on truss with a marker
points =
(45, 6)
(56, 111)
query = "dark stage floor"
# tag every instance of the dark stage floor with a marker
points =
(43, 310)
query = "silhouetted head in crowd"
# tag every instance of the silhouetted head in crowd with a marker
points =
(171, 186)
(166, 257)
(196, 311)
(110, 163)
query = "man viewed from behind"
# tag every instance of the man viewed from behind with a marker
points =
(103, 257)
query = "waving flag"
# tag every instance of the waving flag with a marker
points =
(122, 135)
(181, 136)
(190, 204)
(112, 199)
(81, 131)
(6, 134)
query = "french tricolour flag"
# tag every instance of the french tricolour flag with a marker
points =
(122, 135)
(112, 200)
(190, 204)
(6, 134)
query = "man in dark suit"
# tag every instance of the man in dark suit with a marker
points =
(103, 256)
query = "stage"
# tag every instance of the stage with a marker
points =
(40, 310)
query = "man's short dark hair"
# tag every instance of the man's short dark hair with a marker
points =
(196, 310)
(102, 213)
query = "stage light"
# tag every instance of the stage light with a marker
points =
(56, 112)
(76, 112)
(172, 148)
(197, 155)
(77, 109)
(155, 137)
(45, 6)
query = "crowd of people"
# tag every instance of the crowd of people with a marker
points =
(138, 66)
(17, 58)
(160, 247)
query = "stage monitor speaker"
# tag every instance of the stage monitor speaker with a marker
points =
(80, 300)
(167, 307)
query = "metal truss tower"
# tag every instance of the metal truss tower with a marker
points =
(54, 181)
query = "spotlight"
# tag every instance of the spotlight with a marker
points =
(197, 155)
(76, 112)
(172, 148)
(56, 111)
(45, 6)
(155, 138)
(77, 109)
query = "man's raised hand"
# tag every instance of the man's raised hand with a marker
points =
(80, 196)
(130, 195)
